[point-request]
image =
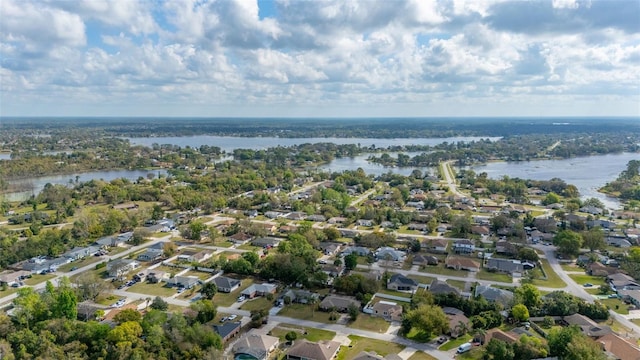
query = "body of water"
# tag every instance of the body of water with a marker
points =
(360, 161)
(228, 143)
(37, 184)
(587, 173)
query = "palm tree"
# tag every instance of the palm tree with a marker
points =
(479, 334)
(462, 328)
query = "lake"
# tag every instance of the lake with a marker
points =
(228, 143)
(38, 183)
(588, 173)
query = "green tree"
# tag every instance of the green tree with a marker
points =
(159, 304)
(530, 347)
(157, 213)
(498, 350)
(351, 261)
(353, 312)
(251, 257)
(559, 339)
(529, 296)
(594, 239)
(583, 348)
(428, 319)
(568, 242)
(209, 290)
(551, 198)
(520, 312)
(205, 310)
(291, 336)
(127, 315)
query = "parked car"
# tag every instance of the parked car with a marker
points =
(442, 340)
(232, 317)
(588, 285)
(241, 298)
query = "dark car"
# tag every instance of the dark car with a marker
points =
(442, 340)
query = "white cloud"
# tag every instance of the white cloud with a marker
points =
(321, 57)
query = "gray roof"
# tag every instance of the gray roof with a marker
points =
(227, 328)
(501, 296)
(225, 282)
(402, 280)
(441, 287)
(256, 345)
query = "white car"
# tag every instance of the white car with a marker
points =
(232, 317)
(241, 298)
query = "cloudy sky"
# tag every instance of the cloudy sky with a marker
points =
(339, 58)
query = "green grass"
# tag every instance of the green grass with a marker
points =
(257, 304)
(158, 235)
(622, 308)
(553, 280)
(10, 290)
(359, 344)
(248, 247)
(571, 267)
(421, 355)
(582, 279)
(152, 289)
(474, 354)
(441, 270)
(421, 279)
(224, 299)
(311, 334)
(79, 263)
(593, 291)
(305, 312)
(200, 274)
(37, 279)
(394, 293)
(418, 335)
(483, 274)
(107, 300)
(455, 343)
(370, 323)
(457, 283)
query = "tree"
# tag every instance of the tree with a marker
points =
(529, 296)
(594, 239)
(159, 304)
(127, 315)
(559, 339)
(568, 242)
(583, 348)
(157, 213)
(331, 233)
(498, 350)
(169, 249)
(529, 254)
(551, 198)
(353, 312)
(520, 312)
(205, 309)
(89, 286)
(291, 336)
(351, 261)
(251, 257)
(530, 347)
(209, 290)
(139, 235)
(428, 319)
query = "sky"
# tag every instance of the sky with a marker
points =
(333, 58)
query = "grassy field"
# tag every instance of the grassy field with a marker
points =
(493, 276)
(257, 304)
(368, 322)
(584, 278)
(310, 334)
(151, 289)
(571, 267)
(616, 305)
(79, 263)
(457, 283)
(455, 343)
(359, 344)
(553, 280)
(37, 279)
(305, 312)
(421, 355)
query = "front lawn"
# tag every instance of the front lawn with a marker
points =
(475, 354)
(259, 303)
(227, 299)
(421, 355)
(553, 280)
(616, 305)
(457, 284)
(483, 274)
(305, 312)
(107, 300)
(370, 323)
(421, 279)
(311, 334)
(582, 279)
(455, 343)
(441, 270)
(79, 263)
(359, 344)
(36, 279)
(418, 335)
(152, 289)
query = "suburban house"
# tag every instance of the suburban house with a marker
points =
(226, 284)
(151, 254)
(331, 270)
(462, 263)
(400, 282)
(588, 326)
(186, 282)
(358, 250)
(228, 330)
(337, 220)
(389, 253)
(78, 253)
(364, 355)
(599, 269)
(257, 346)
(508, 266)
(13, 277)
(338, 303)
(301, 296)
(364, 222)
(259, 290)
(505, 247)
(496, 295)
(387, 310)
(329, 249)
(498, 334)
(457, 321)
(620, 281)
(126, 206)
(240, 237)
(591, 210)
(316, 218)
(156, 276)
(617, 242)
(464, 246)
(274, 214)
(119, 267)
(480, 230)
(266, 242)
(630, 296)
(417, 226)
(306, 350)
(619, 348)
(441, 287)
(114, 240)
(436, 246)
(424, 260)
(195, 256)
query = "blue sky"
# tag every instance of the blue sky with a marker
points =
(333, 58)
